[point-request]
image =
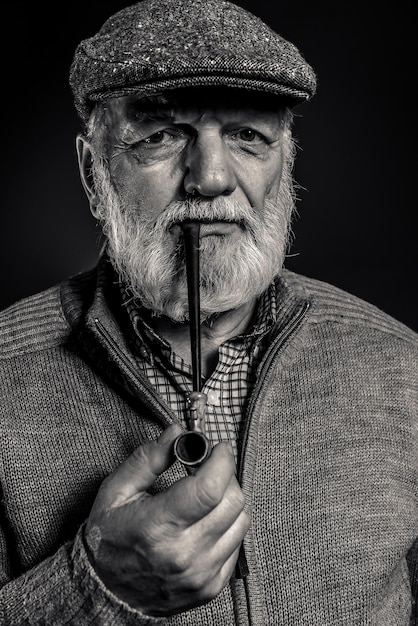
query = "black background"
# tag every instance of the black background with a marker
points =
(356, 163)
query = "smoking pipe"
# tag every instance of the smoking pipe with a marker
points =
(192, 447)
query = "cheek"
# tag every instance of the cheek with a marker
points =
(263, 185)
(148, 190)
(274, 176)
(260, 180)
(273, 186)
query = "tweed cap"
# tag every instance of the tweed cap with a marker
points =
(157, 45)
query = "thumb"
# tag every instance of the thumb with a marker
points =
(139, 471)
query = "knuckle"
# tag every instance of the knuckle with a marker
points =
(238, 498)
(199, 583)
(140, 455)
(178, 556)
(214, 588)
(105, 484)
(209, 492)
(179, 562)
(105, 491)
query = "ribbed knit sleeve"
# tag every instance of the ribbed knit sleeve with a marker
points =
(64, 589)
(41, 395)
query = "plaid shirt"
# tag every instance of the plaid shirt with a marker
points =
(229, 385)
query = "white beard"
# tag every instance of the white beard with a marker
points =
(233, 270)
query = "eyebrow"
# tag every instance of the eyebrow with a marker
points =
(152, 114)
(152, 108)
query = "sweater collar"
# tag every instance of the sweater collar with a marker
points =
(94, 298)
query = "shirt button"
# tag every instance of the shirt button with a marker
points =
(213, 397)
(143, 352)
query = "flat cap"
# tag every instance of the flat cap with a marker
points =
(157, 45)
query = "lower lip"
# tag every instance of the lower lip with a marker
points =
(219, 229)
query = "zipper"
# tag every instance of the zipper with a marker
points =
(265, 365)
(152, 398)
(241, 568)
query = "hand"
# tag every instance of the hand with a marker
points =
(173, 551)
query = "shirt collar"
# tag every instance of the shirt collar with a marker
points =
(264, 317)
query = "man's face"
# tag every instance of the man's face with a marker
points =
(214, 150)
(216, 162)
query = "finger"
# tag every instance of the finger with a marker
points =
(138, 472)
(231, 539)
(227, 569)
(222, 517)
(191, 498)
(219, 548)
(218, 581)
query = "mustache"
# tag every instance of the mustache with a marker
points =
(206, 210)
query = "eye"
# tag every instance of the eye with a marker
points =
(248, 140)
(159, 143)
(248, 134)
(155, 138)
(163, 139)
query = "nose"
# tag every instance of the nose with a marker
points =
(209, 170)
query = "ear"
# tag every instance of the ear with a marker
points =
(85, 160)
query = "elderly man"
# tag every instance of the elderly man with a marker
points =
(304, 511)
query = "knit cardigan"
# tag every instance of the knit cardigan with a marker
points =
(328, 460)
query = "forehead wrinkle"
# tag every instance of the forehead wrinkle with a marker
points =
(217, 116)
(168, 106)
(127, 110)
(159, 114)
